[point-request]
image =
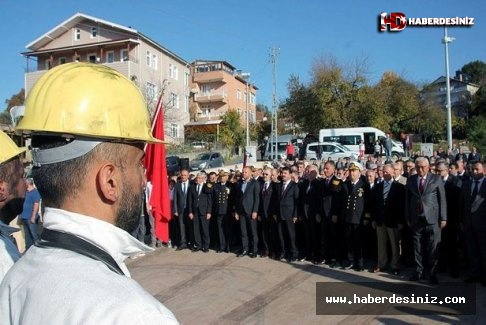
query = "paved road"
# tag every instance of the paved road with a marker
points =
(211, 288)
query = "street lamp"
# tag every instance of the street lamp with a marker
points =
(446, 40)
(246, 76)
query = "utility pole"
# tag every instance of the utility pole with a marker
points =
(446, 40)
(273, 59)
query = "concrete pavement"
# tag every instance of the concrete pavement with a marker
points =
(211, 288)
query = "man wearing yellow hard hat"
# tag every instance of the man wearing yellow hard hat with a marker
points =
(88, 125)
(12, 192)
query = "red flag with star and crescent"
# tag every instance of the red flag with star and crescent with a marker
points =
(156, 173)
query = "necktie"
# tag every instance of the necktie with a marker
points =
(266, 187)
(243, 187)
(184, 188)
(421, 185)
(475, 190)
(386, 189)
(198, 189)
(283, 187)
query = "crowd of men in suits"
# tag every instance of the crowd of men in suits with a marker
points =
(429, 214)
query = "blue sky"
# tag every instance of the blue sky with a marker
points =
(242, 33)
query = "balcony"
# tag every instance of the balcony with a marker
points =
(210, 76)
(211, 97)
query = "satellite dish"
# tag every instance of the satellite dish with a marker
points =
(16, 113)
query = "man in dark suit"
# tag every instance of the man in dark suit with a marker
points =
(246, 211)
(473, 207)
(426, 214)
(355, 213)
(387, 215)
(200, 207)
(221, 195)
(332, 245)
(287, 210)
(265, 214)
(309, 208)
(450, 244)
(180, 209)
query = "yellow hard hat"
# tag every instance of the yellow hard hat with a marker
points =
(9, 148)
(87, 100)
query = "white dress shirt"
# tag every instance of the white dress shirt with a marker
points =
(9, 253)
(58, 286)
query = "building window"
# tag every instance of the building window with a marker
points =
(92, 58)
(174, 130)
(186, 79)
(77, 34)
(174, 100)
(110, 57)
(252, 99)
(94, 32)
(173, 73)
(149, 58)
(48, 64)
(151, 91)
(62, 60)
(206, 111)
(186, 104)
(124, 55)
(238, 94)
(205, 89)
(155, 62)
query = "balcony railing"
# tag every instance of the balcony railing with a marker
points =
(211, 97)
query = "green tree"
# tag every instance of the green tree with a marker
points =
(16, 100)
(232, 132)
(477, 132)
(475, 72)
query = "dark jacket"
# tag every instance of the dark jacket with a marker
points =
(203, 203)
(180, 203)
(355, 201)
(288, 201)
(247, 202)
(389, 212)
(221, 195)
(268, 200)
(331, 197)
(310, 203)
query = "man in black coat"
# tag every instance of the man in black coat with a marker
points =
(450, 244)
(332, 242)
(426, 214)
(309, 209)
(473, 207)
(355, 213)
(286, 214)
(200, 206)
(180, 209)
(387, 215)
(247, 201)
(221, 194)
(266, 208)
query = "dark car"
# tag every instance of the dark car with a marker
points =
(207, 160)
(173, 164)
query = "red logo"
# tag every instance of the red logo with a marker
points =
(397, 21)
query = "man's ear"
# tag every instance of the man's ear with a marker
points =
(3, 191)
(107, 183)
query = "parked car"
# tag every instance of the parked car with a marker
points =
(207, 160)
(199, 145)
(329, 150)
(173, 164)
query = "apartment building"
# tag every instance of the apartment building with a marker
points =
(154, 68)
(216, 87)
(461, 93)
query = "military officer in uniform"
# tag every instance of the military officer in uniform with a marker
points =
(355, 212)
(221, 195)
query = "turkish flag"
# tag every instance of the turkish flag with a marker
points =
(157, 174)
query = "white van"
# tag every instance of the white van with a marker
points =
(351, 137)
